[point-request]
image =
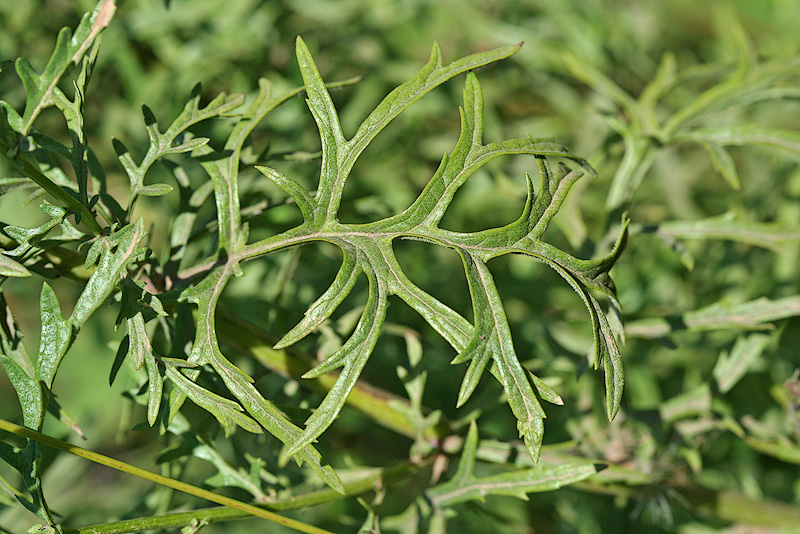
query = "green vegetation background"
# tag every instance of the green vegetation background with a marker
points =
(742, 443)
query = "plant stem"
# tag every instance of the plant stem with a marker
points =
(244, 508)
(220, 514)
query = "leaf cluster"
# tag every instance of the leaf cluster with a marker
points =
(180, 353)
(353, 233)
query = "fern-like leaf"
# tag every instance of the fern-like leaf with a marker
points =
(367, 249)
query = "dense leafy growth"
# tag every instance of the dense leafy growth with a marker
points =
(234, 184)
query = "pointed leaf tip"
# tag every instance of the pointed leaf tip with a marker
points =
(11, 268)
(436, 55)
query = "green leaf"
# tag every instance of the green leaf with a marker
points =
(134, 304)
(753, 315)
(353, 357)
(580, 274)
(465, 486)
(188, 146)
(30, 238)
(640, 152)
(224, 171)
(227, 475)
(333, 141)
(324, 306)
(73, 111)
(492, 339)
(28, 463)
(546, 392)
(55, 340)
(664, 79)
(228, 413)
(344, 155)
(9, 267)
(206, 351)
(155, 190)
(29, 391)
(293, 189)
(598, 81)
(69, 50)
(690, 403)
(744, 135)
(268, 415)
(21, 372)
(113, 253)
(760, 85)
(162, 144)
(730, 368)
(368, 249)
(786, 452)
(723, 164)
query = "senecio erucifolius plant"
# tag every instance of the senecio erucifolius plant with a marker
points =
(180, 292)
(367, 249)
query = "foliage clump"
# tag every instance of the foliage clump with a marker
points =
(226, 179)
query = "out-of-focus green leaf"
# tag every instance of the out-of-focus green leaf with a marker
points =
(744, 135)
(723, 163)
(694, 402)
(730, 368)
(465, 486)
(155, 190)
(9, 267)
(753, 315)
(767, 235)
(786, 452)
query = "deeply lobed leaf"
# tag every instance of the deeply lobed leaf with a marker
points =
(367, 249)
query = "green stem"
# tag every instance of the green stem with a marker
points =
(21, 164)
(220, 514)
(244, 508)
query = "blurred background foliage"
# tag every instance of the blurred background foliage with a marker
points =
(700, 447)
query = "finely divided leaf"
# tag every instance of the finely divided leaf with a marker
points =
(30, 238)
(162, 144)
(353, 357)
(368, 249)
